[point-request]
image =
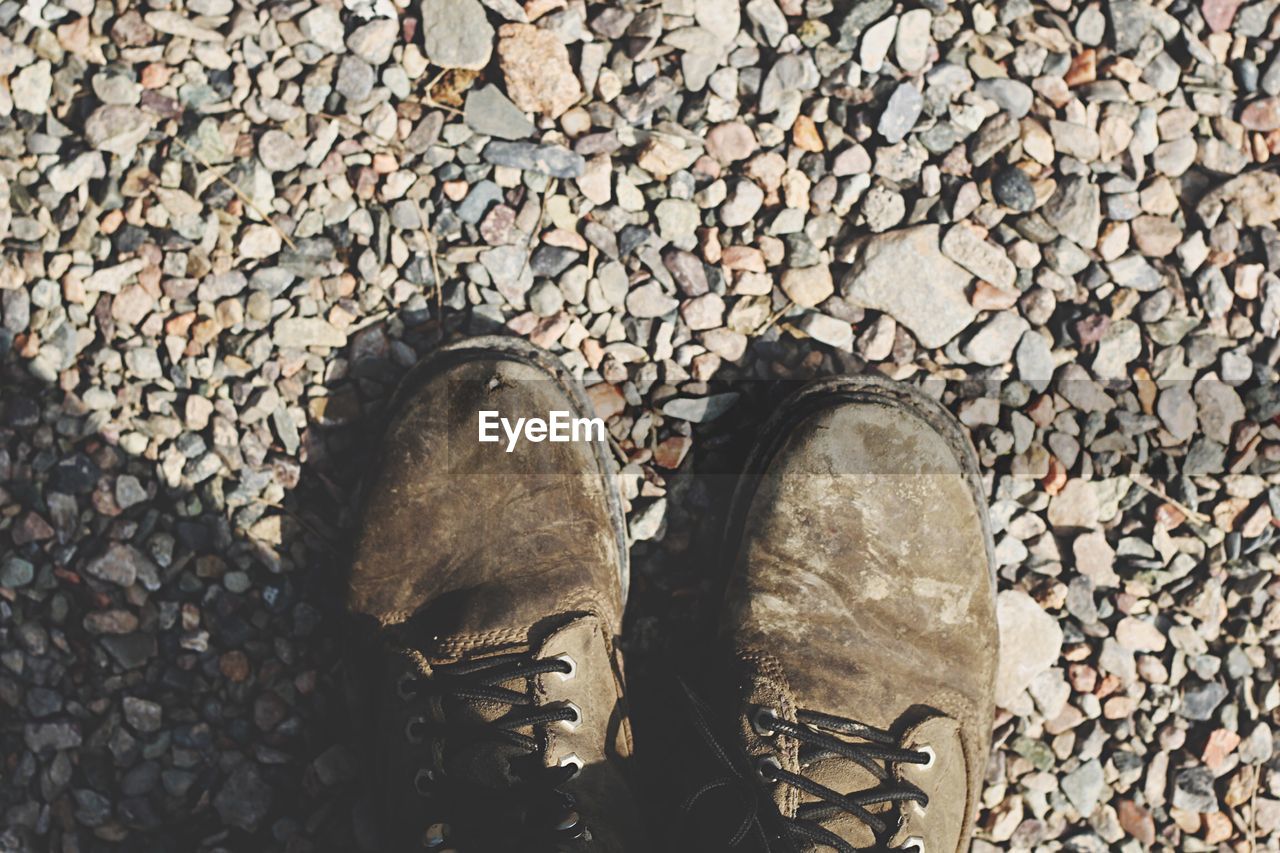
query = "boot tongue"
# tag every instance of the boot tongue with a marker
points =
(940, 830)
(846, 777)
(480, 758)
(766, 689)
(472, 752)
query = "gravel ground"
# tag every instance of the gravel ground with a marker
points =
(228, 228)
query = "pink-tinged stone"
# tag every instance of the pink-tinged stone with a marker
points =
(1263, 115)
(1219, 14)
(606, 399)
(537, 70)
(731, 141)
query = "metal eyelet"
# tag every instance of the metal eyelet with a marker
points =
(770, 762)
(573, 667)
(933, 757)
(435, 836)
(402, 684)
(572, 725)
(422, 781)
(759, 721)
(570, 825)
(914, 841)
(573, 760)
(409, 727)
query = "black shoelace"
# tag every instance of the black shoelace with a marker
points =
(533, 814)
(821, 737)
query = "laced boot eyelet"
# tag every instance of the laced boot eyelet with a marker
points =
(573, 667)
(406, 686)
(920, 807)
(436, 836)
(572, 724)
(915, 841)
(413, 729)
(766, 768)
(933, 757)
(762, 721)
(570, 826)
(571, 760)
(423, 780)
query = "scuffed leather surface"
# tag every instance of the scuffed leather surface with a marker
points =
(466, 551)
(863, 570)
(474, 542)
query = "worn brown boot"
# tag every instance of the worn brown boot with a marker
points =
(487, 588)
(860, 616)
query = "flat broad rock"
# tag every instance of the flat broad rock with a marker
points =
(1140, 635)
(789, 77)
(911, 44)
(1075, 507)
(323, 27)
(596, 180)
(111, 279)
(875, 44)
(1030, 642)
(1262, 115)
(773, 24)
(1034, 360)
(178, 24)
(245, 799)
(649, 300)
(259, 241)
(1121, 343)
(901, 113)
(117, 129)
(1083, 787)
(831, 331)
(731, 141)
(1095, 558)
(904, 274)
(280, 152)
(554, 160)
(700, 410)
(720, 18)
(741, 203)
(373, 41)
(1218, 408)
(491, 113)
(308, 332)
(677, 218)
(994, 342)
(120, 565)
(32, 87)
(456, 34)
(807, 286)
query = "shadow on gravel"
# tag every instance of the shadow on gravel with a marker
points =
(170, 643)
(170, 674)
(169, 654)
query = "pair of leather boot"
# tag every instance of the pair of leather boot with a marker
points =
(858, 628)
